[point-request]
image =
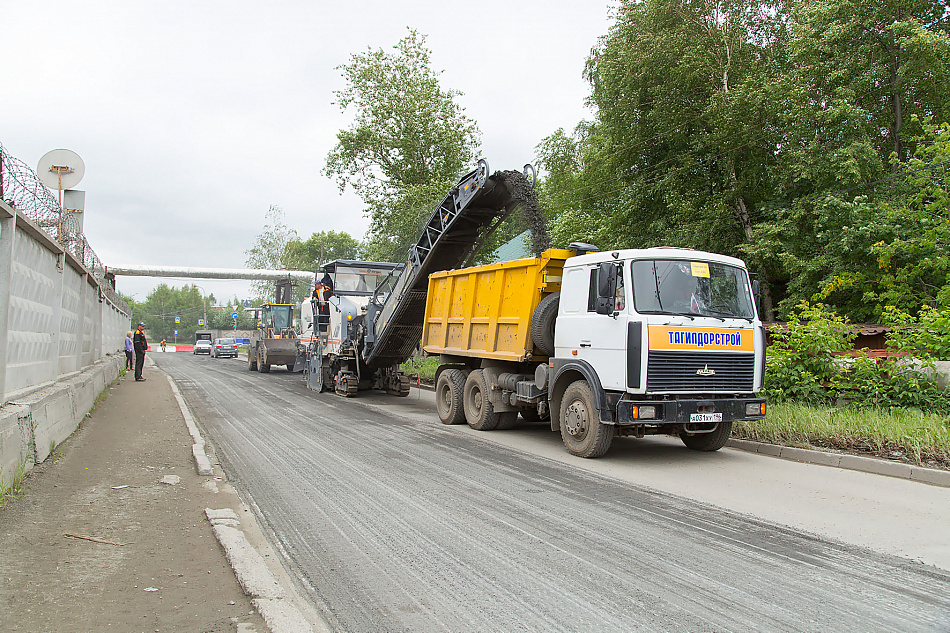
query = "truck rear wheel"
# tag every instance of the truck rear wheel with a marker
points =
(582, 431)
(449, 396)
(542, 323)
(479, 412)
(709, 441)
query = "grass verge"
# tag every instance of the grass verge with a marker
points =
(14, 489)
(907, 435)
(422, 367)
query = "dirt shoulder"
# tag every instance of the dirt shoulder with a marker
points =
(168, 574)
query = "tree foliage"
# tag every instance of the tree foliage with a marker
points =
(188, 304)
(270, 250)
(678, 154)
(791, 134)
(407, 145)
(321, 248)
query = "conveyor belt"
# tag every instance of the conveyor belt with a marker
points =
(451, 238)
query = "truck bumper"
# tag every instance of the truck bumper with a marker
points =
(679, 411)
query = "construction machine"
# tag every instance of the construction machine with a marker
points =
(274, 342)
(373, 328)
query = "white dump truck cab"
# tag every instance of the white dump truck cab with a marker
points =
(648, 341)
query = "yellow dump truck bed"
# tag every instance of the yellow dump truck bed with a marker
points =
(485, 311)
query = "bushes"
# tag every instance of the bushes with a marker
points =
(801, 365)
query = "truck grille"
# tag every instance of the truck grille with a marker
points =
(676, 371)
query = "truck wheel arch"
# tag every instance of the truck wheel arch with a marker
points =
(441, 368)
(568, 373)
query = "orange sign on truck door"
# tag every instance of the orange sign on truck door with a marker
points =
(664, 337)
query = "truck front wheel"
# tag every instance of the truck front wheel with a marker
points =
(449, 396)
(582, 432)
(708, 441)
(479, 412)
(251, 360)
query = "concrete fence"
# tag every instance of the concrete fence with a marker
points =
(61, 342)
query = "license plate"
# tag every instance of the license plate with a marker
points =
(705, 417)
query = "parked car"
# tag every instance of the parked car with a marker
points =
(225, 347)
(203, 347)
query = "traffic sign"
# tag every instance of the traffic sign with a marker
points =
(176, 332)
(201, 322)
(234, 315)
(177, 320)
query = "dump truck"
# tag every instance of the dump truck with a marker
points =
(369, 338)
(602, 344)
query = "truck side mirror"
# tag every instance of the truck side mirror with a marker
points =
(606, 288)
(756, 289)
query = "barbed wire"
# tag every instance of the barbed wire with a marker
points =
(23, 190)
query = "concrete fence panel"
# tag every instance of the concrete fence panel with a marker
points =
(61, 340)
(32, 301)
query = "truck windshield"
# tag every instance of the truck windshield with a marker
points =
(281, 317)
(692, 288)
(351, 280)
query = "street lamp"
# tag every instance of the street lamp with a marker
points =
(204, 303)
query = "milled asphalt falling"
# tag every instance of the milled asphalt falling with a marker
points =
(392, 524)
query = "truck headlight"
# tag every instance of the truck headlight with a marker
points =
(647, 413)
(755, 408)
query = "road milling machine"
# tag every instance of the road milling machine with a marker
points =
(356, 335)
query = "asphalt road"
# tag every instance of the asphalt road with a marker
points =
(396, 523)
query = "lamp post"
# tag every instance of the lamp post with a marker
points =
(204, 304)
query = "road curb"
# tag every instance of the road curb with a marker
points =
(254, 577)
(871, 465)
(257, 581)
(202, 463)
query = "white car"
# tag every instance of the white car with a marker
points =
(203, 347)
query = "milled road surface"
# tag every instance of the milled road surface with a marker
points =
(393, 523)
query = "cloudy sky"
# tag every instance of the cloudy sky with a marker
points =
(194, 117)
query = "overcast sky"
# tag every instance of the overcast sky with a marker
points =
(194, 117)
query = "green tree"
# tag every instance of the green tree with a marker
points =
(270, 250)
(865, 69)
(680, 152)
(407, 145)
(864, 75)
(778, 132)
(322, 247)
(915, 263)
(165, 303)
(220, 316)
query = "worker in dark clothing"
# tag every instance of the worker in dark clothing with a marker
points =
(321, 294)
(140, 344)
